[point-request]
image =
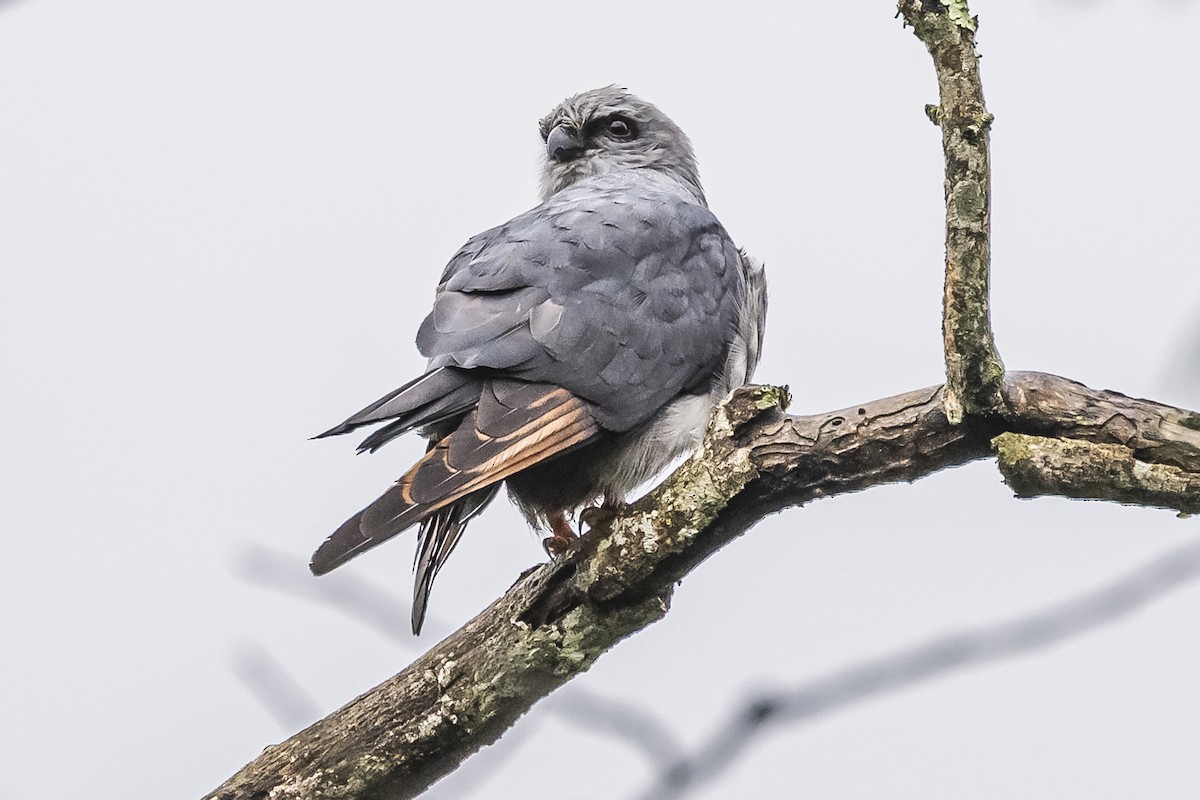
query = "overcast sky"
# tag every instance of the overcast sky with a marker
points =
(221, 223)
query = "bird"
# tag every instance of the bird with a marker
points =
(575, 351)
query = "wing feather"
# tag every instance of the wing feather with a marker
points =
(437, 395)
(619, 291)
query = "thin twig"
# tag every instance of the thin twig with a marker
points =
(974, 372)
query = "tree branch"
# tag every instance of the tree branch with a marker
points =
(974, 372)
(1034, 466)
(398, 738)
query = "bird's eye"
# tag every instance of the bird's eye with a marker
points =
(619, 128)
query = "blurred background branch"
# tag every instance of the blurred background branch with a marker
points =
(933, 659)
(381, 610)
(275, 689)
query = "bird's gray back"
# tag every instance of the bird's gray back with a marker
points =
(619, 288)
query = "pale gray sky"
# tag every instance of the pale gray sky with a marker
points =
(221, 222)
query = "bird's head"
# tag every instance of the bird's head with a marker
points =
(607, 130)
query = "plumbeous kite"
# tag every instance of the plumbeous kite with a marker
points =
(574, 351)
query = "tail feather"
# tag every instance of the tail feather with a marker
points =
(436, 540)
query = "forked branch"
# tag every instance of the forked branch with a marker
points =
(398, 738)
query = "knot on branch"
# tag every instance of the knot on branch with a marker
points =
(745, 406)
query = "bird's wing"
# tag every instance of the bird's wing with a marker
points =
(746, 345)
(515, 425)
(619, 292)
(587, 314)
(752, 321)
(440, 394)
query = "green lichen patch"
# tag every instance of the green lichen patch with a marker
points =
(959, 14)
(969, 200)
(1012, 448)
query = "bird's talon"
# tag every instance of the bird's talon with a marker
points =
(563, 537)
(556, 547)
(595, 516)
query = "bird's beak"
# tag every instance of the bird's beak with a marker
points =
(563, 144)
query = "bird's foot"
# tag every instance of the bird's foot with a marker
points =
(595, 516)
(557, 547)
(563, 538)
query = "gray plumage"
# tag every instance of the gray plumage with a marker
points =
(574, 351)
